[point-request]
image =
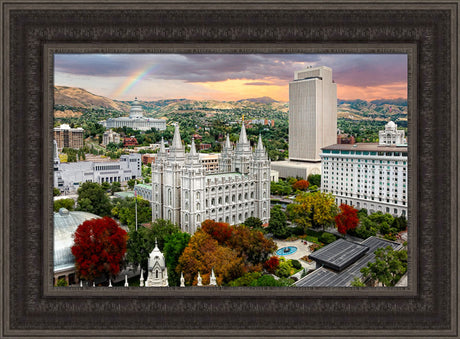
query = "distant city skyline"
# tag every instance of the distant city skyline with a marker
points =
(227, 77)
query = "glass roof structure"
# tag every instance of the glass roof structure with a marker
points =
(65, 225)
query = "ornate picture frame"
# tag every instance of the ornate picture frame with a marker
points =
(33, 31)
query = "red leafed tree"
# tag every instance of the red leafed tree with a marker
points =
(347, 219)
(272, 264)
(220, 231)
(99, 247)
(301, 185)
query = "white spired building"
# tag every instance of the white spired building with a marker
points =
(158, 272)
(136, 120)
(184, 192)
(369, 175)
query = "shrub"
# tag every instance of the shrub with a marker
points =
(296, 264)
(327, 238)
(62, 282)
(272, 264)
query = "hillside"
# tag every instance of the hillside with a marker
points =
(71, 102)
(80, 98)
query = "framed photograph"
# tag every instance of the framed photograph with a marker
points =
(46, 45)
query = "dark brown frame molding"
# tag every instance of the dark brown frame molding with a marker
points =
(33, 30)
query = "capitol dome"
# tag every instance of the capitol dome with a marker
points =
(65, 224)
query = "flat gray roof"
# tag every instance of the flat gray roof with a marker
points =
(339, 254)
(324, 277)
(374, 147)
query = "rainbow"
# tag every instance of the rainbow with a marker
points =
(132, 80)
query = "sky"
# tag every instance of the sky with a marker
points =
(227, 77)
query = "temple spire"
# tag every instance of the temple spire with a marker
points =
(227, 142)
(260, 145)
(193, 148)
(243, 137)
(162, 145)
(177, 142)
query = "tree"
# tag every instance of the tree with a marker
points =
(64, 203)
(125, 211)
(173, 249)
(357, 283)
(131, 183)
(317, 209)
(314, 179)
(301, 185)
(269, 280)
(254, 223)
(271, 265)
(99, 248)
(388, 268)
(277, 224)
(115, 187)
(137, 249)
(56, 192)
(62, 282)
(92, 199)
(249, 244)
(202, 254)
(347, 219)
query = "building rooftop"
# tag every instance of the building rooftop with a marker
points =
(325, 277)
(146, 186)
(339, 255)
(366, 147)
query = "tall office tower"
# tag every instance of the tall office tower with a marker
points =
(312, 113)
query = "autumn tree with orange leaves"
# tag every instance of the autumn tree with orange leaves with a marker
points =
(203, 254)
(231, 250)
(301, 185)
(347, 219)
(99, 248)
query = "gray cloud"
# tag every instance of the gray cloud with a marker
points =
(348, 69)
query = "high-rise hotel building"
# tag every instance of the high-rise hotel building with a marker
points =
(369, 175)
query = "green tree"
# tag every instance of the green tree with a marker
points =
(56, 192)
(115, 187)
(64, 203)
(93, 199)
(105, 186)
(357, 283)
(317, 209)
(125, 210)
(277, 224)
(388, 268)
(62, 282)
(269, 280)
(174, 247)
(253, 222)
(314, 179)
(131, 183)
(137, 249)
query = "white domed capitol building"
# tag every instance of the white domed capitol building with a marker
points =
(136, 120)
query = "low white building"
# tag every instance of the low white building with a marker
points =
(69, 176)
(110, 136)
(368, 175)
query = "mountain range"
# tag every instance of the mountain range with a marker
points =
(71, 101)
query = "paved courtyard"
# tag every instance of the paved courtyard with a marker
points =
(302, 250)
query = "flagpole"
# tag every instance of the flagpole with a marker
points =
(135, 198)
